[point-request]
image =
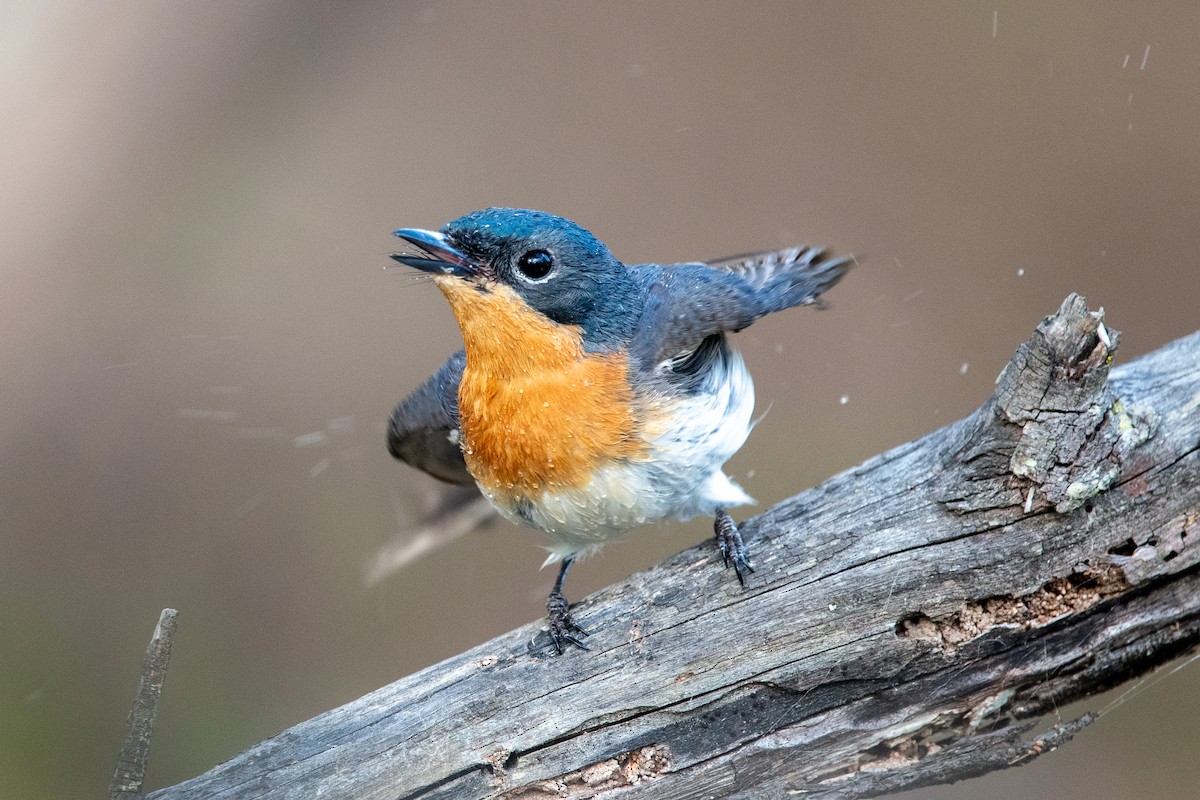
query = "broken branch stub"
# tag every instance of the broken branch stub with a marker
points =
(127, 781)
(1054, 434)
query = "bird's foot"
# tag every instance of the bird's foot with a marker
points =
(733, 549)
(563, 630)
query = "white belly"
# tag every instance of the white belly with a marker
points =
(680, 476)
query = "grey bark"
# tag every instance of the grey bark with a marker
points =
(909, 620)
(130, 774)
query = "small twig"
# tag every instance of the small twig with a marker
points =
(131, 768)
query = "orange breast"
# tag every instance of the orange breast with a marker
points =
(537, 412)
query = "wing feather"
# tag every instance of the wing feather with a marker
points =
(423, 429)
(686, 303)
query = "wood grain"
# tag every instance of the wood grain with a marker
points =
(909, 621)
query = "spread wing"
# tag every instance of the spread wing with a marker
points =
(423, 429)
(807, 272)
(686, 303)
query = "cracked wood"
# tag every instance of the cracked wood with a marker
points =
(909, 621)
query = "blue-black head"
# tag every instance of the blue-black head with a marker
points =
(556, 266)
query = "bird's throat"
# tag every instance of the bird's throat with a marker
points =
(504, 336)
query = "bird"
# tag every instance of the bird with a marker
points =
(592, 397)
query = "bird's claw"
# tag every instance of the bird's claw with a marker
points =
(733, 549)
(562, 629)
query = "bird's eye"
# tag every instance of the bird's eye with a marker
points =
(535, 265)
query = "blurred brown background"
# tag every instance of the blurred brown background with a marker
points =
(199, 343)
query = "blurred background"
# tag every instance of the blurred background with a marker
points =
(200, 337)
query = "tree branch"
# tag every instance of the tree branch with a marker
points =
(135, 753)
(909, 620)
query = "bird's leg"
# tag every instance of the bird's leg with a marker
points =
(563, 629)
(733, 549)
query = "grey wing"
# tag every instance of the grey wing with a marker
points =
(687, 303)
(800, 274)
(423, 429)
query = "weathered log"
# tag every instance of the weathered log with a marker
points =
(909, 620)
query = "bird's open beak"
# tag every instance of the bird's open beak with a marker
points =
(440, 255)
